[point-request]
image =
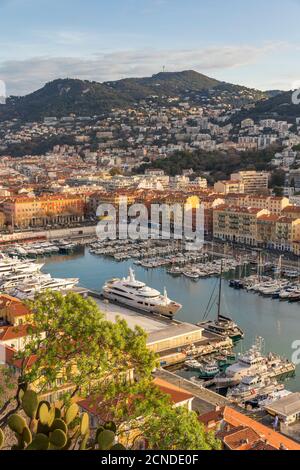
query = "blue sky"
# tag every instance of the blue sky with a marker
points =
(253, 43)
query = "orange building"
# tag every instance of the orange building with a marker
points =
(25, 212)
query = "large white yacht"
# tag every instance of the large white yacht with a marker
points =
(14, 265)
(9, 283)
(28, 290)
(137, 295)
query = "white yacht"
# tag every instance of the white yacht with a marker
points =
(251, 363)
(14, 265)
(137, 295)
(28, 290)
(252, 386)
(13, 281)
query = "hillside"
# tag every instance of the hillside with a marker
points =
(62, 97)
(278, 106)
(81, 97)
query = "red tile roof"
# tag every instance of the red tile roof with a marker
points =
(8, 333)
(275, 439)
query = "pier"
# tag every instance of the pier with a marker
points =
(205, 400)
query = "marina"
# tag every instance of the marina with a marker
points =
(276, 321)
(200, 351)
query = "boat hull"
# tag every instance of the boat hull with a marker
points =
(168, 311)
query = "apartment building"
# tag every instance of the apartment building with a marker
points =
(253, 181)
(278, 232)
(24, 212)
(272, 203)
(229, 187)
(287, 232)
(276, 205)
(237, 224)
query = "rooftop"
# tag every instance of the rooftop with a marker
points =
(287, 406)
(150, 324)
(172, 331)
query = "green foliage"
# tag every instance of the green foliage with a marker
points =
(85, 424)
(71, 413)
(30, 403)
(106, 439)
(177, 429)
(16, 423)
(40, 442)
(43, 432)
(93, 354)
(85, 98)
(219, 165)
(58, 438)
(59, 423)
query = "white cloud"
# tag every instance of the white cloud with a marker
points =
(23, 76)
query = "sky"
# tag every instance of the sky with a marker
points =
(253, 43)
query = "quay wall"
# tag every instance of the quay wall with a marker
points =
(73, 233)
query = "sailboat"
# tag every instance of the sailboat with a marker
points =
(223, 326)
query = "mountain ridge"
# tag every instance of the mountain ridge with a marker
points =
(62, 97)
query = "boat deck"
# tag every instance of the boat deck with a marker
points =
(149, 323)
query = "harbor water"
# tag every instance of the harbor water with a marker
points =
(277, 322)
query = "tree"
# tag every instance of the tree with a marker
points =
(277, 179)
(177, 429)
(72, 343)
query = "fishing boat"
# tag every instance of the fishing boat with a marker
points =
(209, 370)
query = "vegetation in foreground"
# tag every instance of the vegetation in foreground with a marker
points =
(74, 345)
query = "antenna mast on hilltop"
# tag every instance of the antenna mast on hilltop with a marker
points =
(164, 69)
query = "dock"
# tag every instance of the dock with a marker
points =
(205, 400)
(170, 339)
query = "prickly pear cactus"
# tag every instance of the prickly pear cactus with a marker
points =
(50, 427)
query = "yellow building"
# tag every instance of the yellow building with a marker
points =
(2, 220)
(236, 224)
(266, 230)
(229, 187)
(273, 204)
(13, 311)
(24, 212)
(287, 232)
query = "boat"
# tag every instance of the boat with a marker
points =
(191, 274)
(175, 271)
(236, 284)
(263, 400)
(251, 386)
(253, 363)
(209, 370)
(193, 364)
(137, 295)
(223, 325)
(10, 266)
(14, 281)
(29, 289)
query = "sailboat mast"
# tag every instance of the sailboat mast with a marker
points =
(220, 291)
